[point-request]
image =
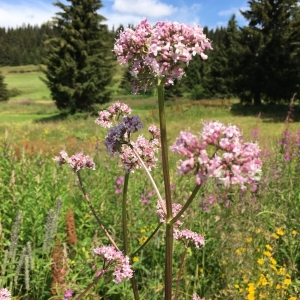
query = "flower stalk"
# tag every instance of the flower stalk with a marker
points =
(166, 176)
(125, 233)
(94, 212)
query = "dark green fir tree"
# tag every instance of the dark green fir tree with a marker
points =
(271, 62)
(4, 96)
(79, 61)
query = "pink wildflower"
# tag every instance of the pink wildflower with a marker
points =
(160, 50)
(232, 162)
(114, 112)
(196, 297)
(154, 131)
(62, 158)
(5, 294)
(79, 162)
(76, 162)
(122, 268)
(68, 295)
(189, 236)
(176, 207)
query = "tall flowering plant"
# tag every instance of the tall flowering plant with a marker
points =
(156, 56)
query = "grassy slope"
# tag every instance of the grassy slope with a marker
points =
(182, 114)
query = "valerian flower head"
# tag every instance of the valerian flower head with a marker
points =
(187, 236)
(176, 207)
(232, 161)
(62, 158)
(76, 162)
(122, 267)
(159, 51)
(196, 297)
(118, 140)
(113, 113)
(5, 294)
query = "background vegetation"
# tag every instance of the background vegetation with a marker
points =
(47, 233)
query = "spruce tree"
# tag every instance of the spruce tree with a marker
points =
(4, 96)
(271, 61)
(79, 61)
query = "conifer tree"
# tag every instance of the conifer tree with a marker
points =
(79, 62)
(4, 96)
(271, 57)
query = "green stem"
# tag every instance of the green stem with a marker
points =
(94, 212)
(147, 241)
(124, 214)
(89, 286)
(125, 235)
(187, 204)
(151, 179)
(166, 176)
(180, 271)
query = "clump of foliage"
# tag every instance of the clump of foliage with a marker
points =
(79, 60)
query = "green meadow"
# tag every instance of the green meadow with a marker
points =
(48, 232)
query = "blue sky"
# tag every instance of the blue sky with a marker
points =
(211, 13)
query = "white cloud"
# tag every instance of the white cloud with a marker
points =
(147, 8)
(34, 13)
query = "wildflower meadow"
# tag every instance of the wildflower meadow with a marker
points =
(149, 210)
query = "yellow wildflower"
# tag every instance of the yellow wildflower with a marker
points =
(292, 298)
(260, 261)
(249, 239)
(135, 259)
(269, 247)
(274, 235)
(258, 230)
(267, 253)
(278, 287)
(273, 267)
(287, 281)
(294, 232)
(280, 231)
(282, 271)
(262, 280)
(236, 286)
(251, 291)
(273, 261)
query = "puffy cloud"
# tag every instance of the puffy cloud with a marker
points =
(18, 14)
(148, 8)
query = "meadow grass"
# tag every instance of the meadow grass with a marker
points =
(252, 237)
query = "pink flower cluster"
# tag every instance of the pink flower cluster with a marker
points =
(114, 112)
(118, 140)
(181, 235)
(196, 297)
(76, 162)
(232, 161)
(189, 236)
(68, 295)
(159, 51)
(122, 270)
(5, 294)
(176, 207)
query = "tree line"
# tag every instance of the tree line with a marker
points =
(255, 63)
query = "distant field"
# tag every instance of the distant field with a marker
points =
(26, 79)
